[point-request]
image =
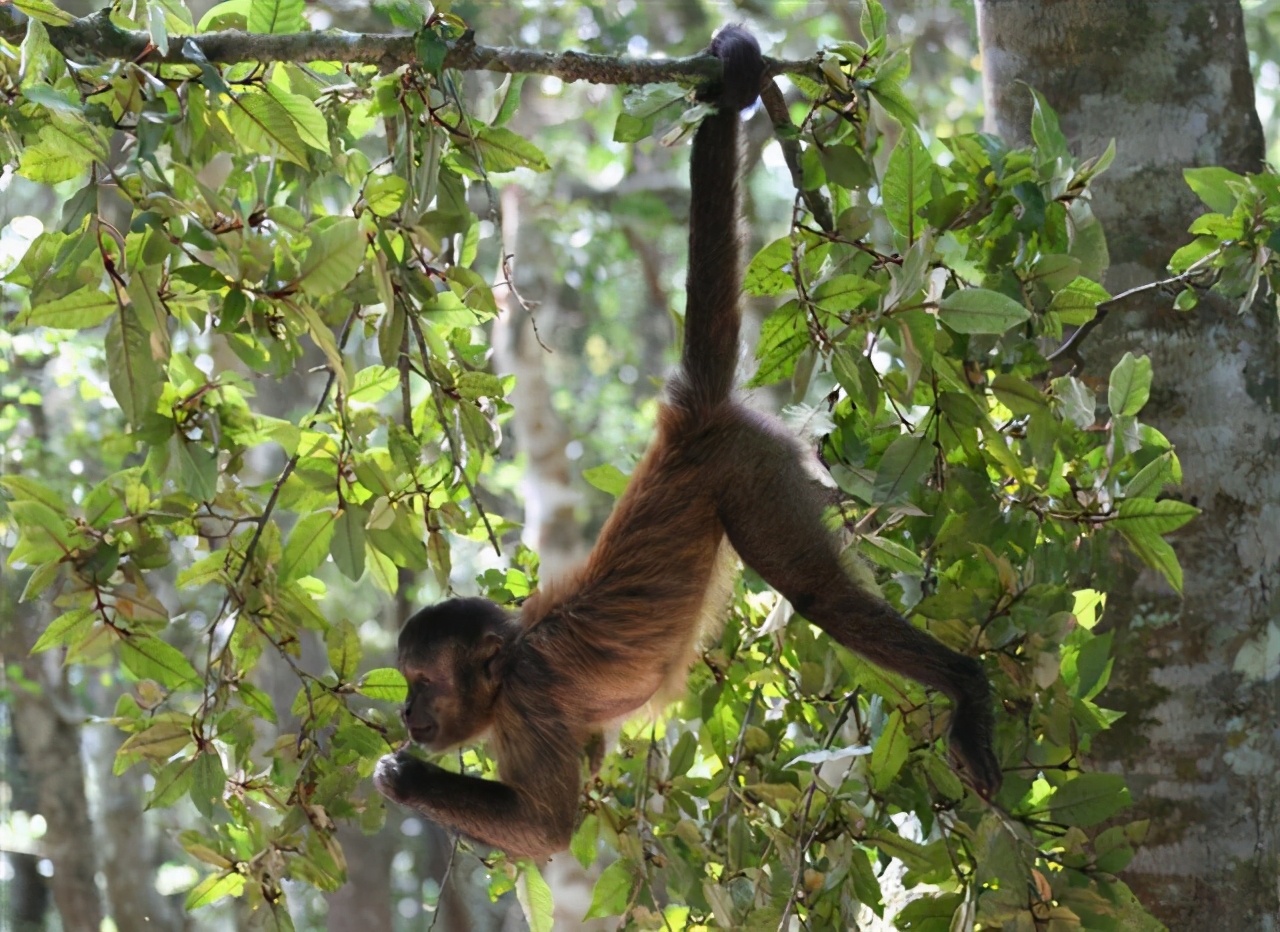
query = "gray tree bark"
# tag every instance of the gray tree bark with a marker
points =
(48, 730)
(1197, 677)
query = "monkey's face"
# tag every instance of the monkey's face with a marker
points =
(451, 696)
(448, 655)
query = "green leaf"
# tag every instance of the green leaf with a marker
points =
(1139, 515)
(843, 293)
(872, 20)
(1018, 395)
(769, 272)
(476, 385)
(336, 253)
(978, 310)
(172, 782)
(261, 124)
(784, 335)
(510, 98)
(208, 782)
(386, 684)
(307, 119)
(86, 307)
(372, 384)
(641, 108)
(1088, 799)
(1214, 185)
(65, 629)
(612, 892)
(230, 14)
(45, 11)
(1087, 670)
(276, 16)
(150, 658)
(160, 741)
(932, 914)
(347, 546)
(502, 151)
(1050, 143)
(534, 895)
(64, 149)
(342, 644)
(682, 755)
(1154, 551)
(1077, 303)
(257, 700)
(586, 839)
(607, 478)
(134, 374)
(890, 752)
(866, 886)
(891, 555)
(44, 534)
(1130, 385)
(385, 194)
(907, 183)
(1151, 479)
(213, 888)
(307, 546)
(197, 469)
(903, 464)
(1076, 400)
(24, 488)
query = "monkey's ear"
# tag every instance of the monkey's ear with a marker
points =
(489, 653)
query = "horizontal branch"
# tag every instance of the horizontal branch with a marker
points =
(96, 38)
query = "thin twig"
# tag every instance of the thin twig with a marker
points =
(1070, 348)
(454, 447)
(249, 549)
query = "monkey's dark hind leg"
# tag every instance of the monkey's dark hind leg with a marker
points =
(774, 521)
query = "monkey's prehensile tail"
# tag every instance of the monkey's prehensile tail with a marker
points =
(713, 308)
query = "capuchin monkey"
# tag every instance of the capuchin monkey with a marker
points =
(621, 632)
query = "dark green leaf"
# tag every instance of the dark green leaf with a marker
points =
(1130, 385)
(307, 546)
(612, 891)
(149, 657)
(977, 310)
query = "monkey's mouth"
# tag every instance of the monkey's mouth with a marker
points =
(424, 736)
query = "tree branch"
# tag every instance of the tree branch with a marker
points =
(96, 38)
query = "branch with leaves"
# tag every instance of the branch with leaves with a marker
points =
(96, 38)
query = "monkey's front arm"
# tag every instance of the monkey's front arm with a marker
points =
(533, 823)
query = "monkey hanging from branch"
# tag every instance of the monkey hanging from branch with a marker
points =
(621, 632)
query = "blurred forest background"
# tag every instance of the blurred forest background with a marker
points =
(598, 238)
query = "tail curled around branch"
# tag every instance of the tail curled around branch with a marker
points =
(713, 307)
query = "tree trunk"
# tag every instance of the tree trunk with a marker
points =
(50, 740)
(551, 492)
(1197, 676)
(28, 900)
(126, 837)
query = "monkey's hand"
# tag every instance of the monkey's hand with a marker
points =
(530, 818)
(401, 777)
(972, 728)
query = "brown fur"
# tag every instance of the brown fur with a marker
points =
(623, 630)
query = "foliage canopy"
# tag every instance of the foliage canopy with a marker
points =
(222, 225)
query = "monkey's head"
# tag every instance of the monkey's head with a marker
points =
(450, 654)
